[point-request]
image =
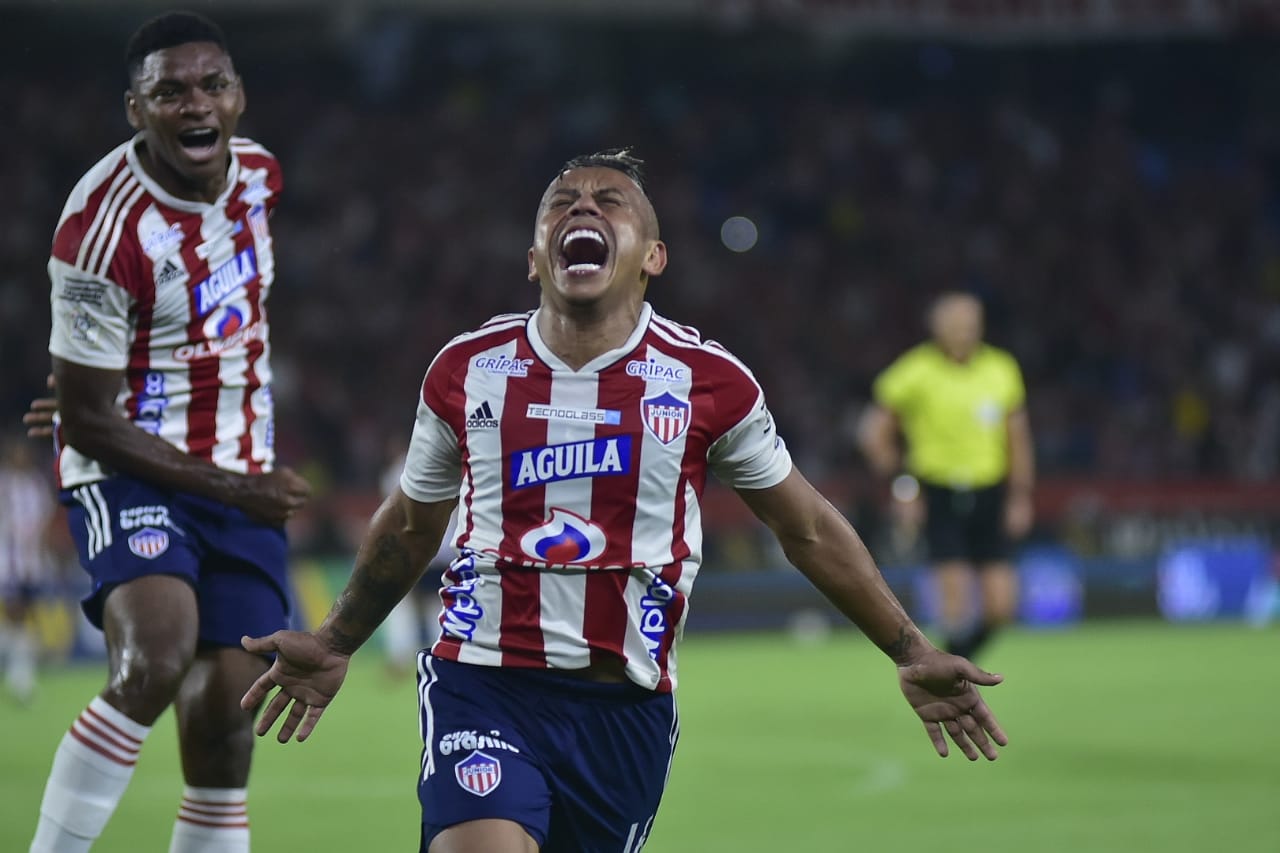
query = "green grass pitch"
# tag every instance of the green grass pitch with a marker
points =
(1124, 737)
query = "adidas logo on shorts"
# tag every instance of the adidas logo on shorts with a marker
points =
(482, 418)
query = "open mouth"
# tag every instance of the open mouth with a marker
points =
(198, 141)
(583, 251)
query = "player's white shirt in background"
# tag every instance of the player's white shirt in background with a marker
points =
(26, 510)
(579, 519)
(174, 293)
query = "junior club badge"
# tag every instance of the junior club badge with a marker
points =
(666, 416)
(149, 543)
(479, 773)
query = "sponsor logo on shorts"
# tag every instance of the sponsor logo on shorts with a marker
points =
(149, 543)
(598, 457)
(501, 365)
(479, 773)
(473, 740)
(134, 517)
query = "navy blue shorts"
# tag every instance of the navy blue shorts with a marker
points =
(579, 764)
(126, 529)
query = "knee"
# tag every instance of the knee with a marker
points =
(143, 685)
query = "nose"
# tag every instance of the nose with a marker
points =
(585, 206)
(197, 101)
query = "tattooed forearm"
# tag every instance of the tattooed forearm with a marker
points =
(901, 646)
(378, 582)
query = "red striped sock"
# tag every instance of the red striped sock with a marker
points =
(212, 820)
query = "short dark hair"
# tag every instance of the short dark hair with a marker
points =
(169, 30)
(618, 159)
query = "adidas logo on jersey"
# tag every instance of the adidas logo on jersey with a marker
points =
(169, 272)
(482, 418)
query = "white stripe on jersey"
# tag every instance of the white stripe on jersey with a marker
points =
(118, 229)
(121, 185)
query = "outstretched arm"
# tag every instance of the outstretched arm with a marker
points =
(825, 548)
(309, 667)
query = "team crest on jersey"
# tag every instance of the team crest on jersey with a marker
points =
(149, 543)
(564, 538)
(479, 773)
(666, 416)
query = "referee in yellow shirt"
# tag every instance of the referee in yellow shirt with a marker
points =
(956, 406)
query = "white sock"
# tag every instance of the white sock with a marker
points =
(91, 768)
(212, 820)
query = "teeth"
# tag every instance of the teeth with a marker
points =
(584, 268)
(582, 234)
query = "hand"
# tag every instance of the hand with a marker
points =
(274, 497)
(308, 674)
(1019, 512)
(39, 417)
(941, 688)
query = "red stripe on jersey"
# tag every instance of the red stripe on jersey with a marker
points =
(520, 637)
(254, 350)
(604, 622)
(144, 291)
(675, 612)
(521, 630)
(72, 233)
(202, 372)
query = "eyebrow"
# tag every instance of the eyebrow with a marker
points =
(574, 192)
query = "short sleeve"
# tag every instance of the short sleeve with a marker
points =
(1016, 390)
(91, 324)
(751, 455)
(433, 464)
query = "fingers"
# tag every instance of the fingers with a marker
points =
(271, 713)
(309, 723)
(987, 720)
(290, 725)
(939, 740)
(267, 645)
(971, 672)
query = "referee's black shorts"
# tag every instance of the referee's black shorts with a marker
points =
(965, 524)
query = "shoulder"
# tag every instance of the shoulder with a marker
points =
(98, 196)
(257, 164)
(494, 340)
(998, 358)
(708, 359)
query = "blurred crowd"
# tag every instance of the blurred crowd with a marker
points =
(1116, 206)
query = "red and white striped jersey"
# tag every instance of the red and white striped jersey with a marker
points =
(579, 523)
(174, 293)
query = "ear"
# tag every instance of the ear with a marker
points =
(533, 269)
(132, 111)
(656, 260)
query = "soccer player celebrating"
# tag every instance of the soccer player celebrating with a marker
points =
(161, 267)
(582, 434)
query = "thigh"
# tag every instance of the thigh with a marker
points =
(149, 624)
(477, 764)
(605, 798)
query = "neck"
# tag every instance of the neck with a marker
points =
(177, 185)
(580, 333)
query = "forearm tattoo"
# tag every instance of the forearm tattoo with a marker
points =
(375, 587)
(899, 647)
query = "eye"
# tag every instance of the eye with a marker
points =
(213, 87)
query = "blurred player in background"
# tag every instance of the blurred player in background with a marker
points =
(26, 510)
(574, 442)
(959, 404)
(160, 270)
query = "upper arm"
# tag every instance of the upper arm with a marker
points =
(792, 509)
(429, 518)
(877, 425)
(84, 391)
